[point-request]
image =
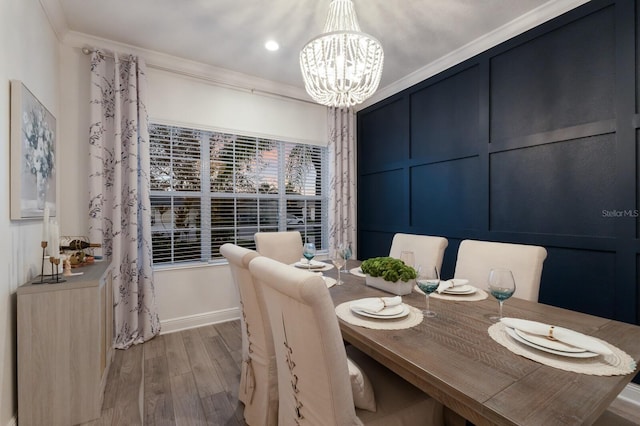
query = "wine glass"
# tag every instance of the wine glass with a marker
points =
(501, 286)
(309, 253)
(346, 248)
(408, 258)
(428, 281)
(338, 258)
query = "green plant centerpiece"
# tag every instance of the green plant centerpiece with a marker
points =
(389, 274)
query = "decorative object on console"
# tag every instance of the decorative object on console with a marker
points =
(79, 245)
(341, 67)
(44, 241)
(79, 250)
(51, 239)
(67, 267)
(45, 225)
(43, 244)
(55, 271)
(33, 165)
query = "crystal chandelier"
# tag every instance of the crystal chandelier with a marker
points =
(342, 66)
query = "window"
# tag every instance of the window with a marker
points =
(210, 188)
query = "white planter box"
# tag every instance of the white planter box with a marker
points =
(399, 287)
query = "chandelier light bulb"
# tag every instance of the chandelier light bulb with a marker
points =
(341, 67)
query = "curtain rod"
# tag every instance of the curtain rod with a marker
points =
(89, 50)
(105, 52)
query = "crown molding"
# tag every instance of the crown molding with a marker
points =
(521, 24)
(214, 75)
(55, 15)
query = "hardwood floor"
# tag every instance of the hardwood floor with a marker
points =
(185, 378)
(191, 378)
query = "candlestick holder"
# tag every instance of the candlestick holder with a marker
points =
(43, 244)
(55, 271)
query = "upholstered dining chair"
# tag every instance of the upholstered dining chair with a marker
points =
(283, 246)
(427, 250)
(477, 258)
(315, 377)
(258, 388)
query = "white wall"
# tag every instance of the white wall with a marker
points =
(190, 101)
(74, 152)
(28, 52)
(187, 296)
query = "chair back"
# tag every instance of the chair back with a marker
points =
(285, 246)
(258, 380)
(477, 258)
(313, 376)
(427, 250)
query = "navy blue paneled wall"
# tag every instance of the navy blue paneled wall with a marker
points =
(534, 141)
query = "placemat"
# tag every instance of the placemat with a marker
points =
(617, 364)
(414, 318)
(478, 295)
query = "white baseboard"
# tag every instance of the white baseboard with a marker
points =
(192, 321)
(631, 395)
(13, 421)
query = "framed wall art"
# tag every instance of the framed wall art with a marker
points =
(33, 159)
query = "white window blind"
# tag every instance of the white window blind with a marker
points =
(253, 185)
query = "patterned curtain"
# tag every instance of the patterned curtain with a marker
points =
(119, 203)
(342, 178)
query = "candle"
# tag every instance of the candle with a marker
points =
(54, 240)
(45, 225)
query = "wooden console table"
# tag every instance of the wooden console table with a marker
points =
(65, 347)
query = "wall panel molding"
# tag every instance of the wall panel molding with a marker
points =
(533, 141)
(558, 135)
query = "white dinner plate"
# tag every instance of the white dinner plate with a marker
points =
(357, 272)
(323, 267)
(557, 345)
(305, 265)
(392, 312)
(511, 332)
(461, 289)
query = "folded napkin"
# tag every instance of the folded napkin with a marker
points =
(373, 305)
(303, 263)
(444, 285)
(564, 335)
(451, 283)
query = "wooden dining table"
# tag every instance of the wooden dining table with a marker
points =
(453, 359)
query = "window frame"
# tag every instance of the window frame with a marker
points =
(208, 250)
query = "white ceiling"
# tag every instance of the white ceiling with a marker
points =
(230, 34)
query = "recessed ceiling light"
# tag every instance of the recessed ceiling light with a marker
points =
(272, 45)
